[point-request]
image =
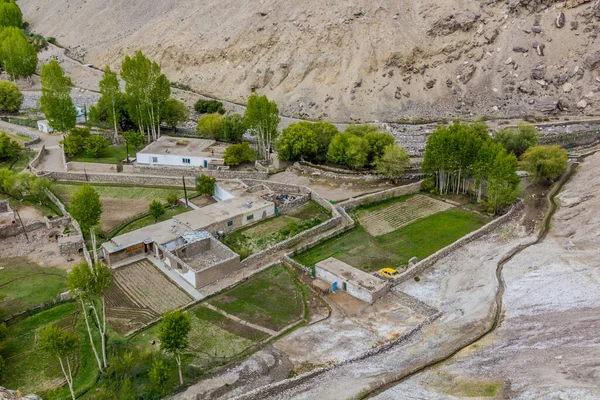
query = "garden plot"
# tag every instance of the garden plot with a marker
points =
(397, 215)
(139, 294)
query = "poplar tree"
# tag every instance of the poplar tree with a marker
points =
(111, 93)
(63, 345)
(56, 102)
(10, 14)
(262, 118)
(19, 58)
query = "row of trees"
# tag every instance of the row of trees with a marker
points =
(358, 146)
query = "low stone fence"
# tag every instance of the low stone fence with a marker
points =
(383, 195)
(279, 387)
(33, 164)
(34, 138)
(131, 179)
(91, 167)
(16, 228)
(289, 205)
(56, 222)
(65, 213)
(164, 170)
(63, 297)
(423, 265)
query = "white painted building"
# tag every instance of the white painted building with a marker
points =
(179, 152)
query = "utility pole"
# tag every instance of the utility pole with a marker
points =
(185, 191)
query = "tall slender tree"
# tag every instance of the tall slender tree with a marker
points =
(19, 58)
(173, 335)
(262, 118)
(56, 102)
(63, 345)
(10, 14)
(111, 93)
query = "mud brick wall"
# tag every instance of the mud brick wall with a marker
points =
(383, 195)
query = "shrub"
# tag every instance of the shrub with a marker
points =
(297, 141)
(8, 148)
(417, 279)
(233, 128)
(95, 146)
(428, 186)
(517, 140)
(206, 185)
(52, 40)
(74, 142)
(210, 126)
(545, 162)
(11, 97)
(209, 107)
(172, 199)
(175, 113)
(237, 154)
(156, 209)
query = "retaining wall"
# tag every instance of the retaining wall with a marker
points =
(383, 195)
(423, 265)
(91, 167)
(289, 205)
(16, 228)
(148, 180)
(33, 164)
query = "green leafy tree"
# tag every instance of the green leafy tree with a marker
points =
(377, 142)
(10, 14)
(7, 180)
(206, 185)
(75, 142)
(262, 118)
(517, 140)
(156, 209)
(393, 161)
(503, 182)
(233, 128)
(86, 208)
(361, 130)
(324, 131)
(172, 199)
(102, 114)
(135, 139)
(175, 113)
(210, 126)
(147, 90)
(61, 345)
(39, 189)
(237, 154)
(357, 153)
(545, 163)
(95, 146)
(56, 102)
(337, 148)
(111, 95)
(9, 149)
(11, 97)
(160, 375)
(88, 284)
(297, 141)
(19, 58)
(209, 107)
(173, 335)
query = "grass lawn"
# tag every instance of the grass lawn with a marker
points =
(149, 220)
(421, 238)
(47, 210)
(271, 299)
(24, 284)
(30, 371)
(112, 155)
(121, 191)
(277, 229)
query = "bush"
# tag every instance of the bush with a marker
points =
(8, 148)
(545, 162)
(206, 185)
(74, 142)
(297, 141)
(233, 128)
(428, 186)
(11, 97)
(156, 209)
(52, 40)
(175, 113)
(237, 154)
(210, 126)
(95, 146)
(172, 199)
(209, 107)
(517, 140)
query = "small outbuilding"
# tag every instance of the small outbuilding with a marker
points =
(44, 126)
(355, 282)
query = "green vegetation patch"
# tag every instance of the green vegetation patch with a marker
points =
(208, 315)
(112, 155)
(475, 389)
(274, 230)
(121, 191)
(270, 299)
(19, 163)
(419, 239)
(149, 220)
(25, 284)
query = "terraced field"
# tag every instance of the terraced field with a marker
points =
(139, 294)
(397, 215)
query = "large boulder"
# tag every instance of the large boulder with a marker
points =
(592, 61)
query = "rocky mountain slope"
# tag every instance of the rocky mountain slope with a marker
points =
(383, 60)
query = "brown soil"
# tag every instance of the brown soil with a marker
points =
(203, 201)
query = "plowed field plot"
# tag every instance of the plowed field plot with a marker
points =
(139, 294)
(397, 215)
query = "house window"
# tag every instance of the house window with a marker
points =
(229, 223)
(154, 159)
(186, 160)
(249, 217)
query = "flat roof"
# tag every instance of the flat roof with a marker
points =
(351, 274)
(162, 232)
(178, 146)
(221, 211)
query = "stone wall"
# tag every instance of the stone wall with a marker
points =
(131, 179)
(91, 167)
(289, 205)
(57, 222)
(16, 228)
(165, 170)
(423, 265)
(33, 164)
(383, 195)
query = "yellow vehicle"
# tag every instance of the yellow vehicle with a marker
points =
(389, 273)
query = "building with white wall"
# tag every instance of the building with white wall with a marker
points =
(180, 152)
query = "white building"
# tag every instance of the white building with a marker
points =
(44, 126)
(180, 152)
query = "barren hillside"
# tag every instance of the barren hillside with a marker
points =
(383, 60)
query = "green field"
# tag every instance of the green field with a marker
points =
(270, 299)
(420, 239)
(122, 191)
(277, 229)
(149, 220)
(112, 155)
(24, 284)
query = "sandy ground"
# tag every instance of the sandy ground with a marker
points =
(117, 211)
(547, 345)
(41, 248)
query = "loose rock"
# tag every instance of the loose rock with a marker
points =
(560, 20)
